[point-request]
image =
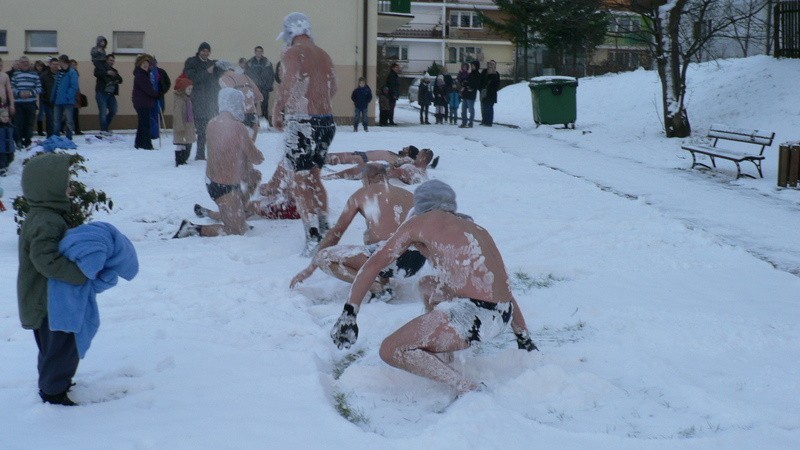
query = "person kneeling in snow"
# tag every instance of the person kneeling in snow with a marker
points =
(468, 300)
(230, 176)
(384, 207)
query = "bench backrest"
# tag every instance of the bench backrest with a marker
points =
(757, 137)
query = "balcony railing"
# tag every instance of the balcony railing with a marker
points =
(435, 32)
(416, 67)
(418, 33)
(394, 6)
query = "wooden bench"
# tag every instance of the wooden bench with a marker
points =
(730, 143)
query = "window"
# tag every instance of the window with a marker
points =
(128, 42)
(464, 54)
(625, 59)
(3, 41)
(41, 41)
(396, 52)
(465, 19)
(623, 24)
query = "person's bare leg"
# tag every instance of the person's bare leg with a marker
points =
(303, 193)
(252, 208)
(344, 262)
(353, 173)
(279, 184)
(414, 347)
(341, 261)
(307, 193)
(320, 201)
(320, 194)
(433, 292)
(343, 158)
(232, 215)
(253, 180)
(213, 215)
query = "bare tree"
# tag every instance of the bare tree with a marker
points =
(752, 30)
(677, 31)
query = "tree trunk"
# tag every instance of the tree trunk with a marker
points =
(527, 45)
(672, 73)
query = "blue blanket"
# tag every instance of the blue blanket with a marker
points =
(54, 142)
(103, 254)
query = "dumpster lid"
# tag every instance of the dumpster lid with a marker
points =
(553, 79)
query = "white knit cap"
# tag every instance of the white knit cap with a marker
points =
(295, 24)
(232, 100)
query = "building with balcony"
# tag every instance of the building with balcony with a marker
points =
(447, 33)
(625, 47)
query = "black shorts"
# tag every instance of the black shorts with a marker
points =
(409, 263)
(307, 141)
(216, 190)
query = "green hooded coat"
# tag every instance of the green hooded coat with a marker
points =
(45, 179)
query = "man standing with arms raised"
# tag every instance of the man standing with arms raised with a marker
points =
(303, 108)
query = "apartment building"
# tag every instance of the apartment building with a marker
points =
(172, 30)
(445, 32)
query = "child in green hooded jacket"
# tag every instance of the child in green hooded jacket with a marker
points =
(45, 184)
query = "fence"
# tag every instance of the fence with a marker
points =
(787, 29)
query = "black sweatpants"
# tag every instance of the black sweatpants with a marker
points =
(58, 359)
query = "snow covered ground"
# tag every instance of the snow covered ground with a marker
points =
(665, 300)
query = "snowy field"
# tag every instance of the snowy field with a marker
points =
(665, 301)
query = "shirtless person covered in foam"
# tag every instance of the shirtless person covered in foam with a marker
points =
(468, 300)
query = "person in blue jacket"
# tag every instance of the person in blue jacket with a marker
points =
(63, 97)
(361, 96)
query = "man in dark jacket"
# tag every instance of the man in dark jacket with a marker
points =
(201, 70)
(448, 87)
(425, 98)
(469, 92)
(260, 70)
(490, 84)
(45, 179)
(48, 77)
(393, 82)
(106, 89)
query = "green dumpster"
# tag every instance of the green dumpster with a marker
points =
(553, 99)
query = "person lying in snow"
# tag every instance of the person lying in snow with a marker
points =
(408, 169)
(406, 154)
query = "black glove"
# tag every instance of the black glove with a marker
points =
(524, 341)
(345, 331)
